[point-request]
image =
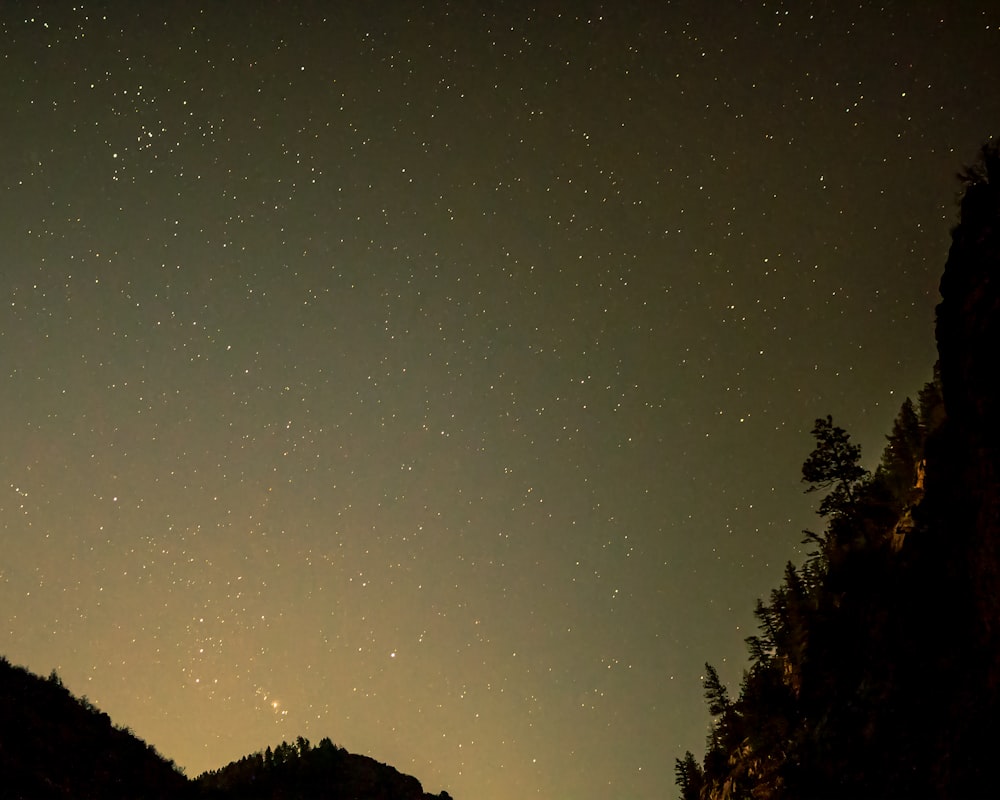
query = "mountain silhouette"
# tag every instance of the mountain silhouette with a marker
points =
(54, 745)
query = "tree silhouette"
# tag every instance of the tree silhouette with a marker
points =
(689, 777)
(833, 467)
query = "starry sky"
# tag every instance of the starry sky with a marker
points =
(437, 377)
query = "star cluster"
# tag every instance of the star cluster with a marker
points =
(437, 379)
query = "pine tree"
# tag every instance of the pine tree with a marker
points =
(834, 467)
(689, 777)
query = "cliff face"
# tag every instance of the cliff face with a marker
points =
(968, 335)
(963, 494)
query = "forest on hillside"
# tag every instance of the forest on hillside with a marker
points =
(876, 669)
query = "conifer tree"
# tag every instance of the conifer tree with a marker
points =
(834, 467)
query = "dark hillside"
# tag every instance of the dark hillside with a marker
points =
(305, 772)
(53, 745)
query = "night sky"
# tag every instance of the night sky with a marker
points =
(437, 378)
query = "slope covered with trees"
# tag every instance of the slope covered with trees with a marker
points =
(876, 671)
(300, 770)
